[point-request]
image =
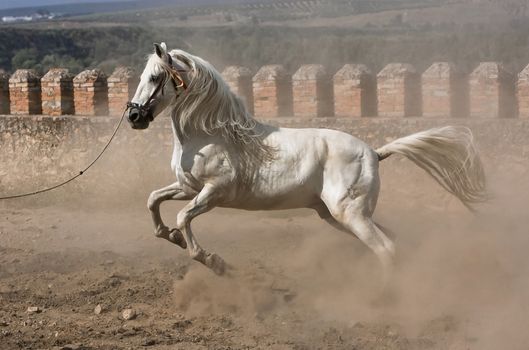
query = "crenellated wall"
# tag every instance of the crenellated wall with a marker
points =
(79, 114)
(397, 91)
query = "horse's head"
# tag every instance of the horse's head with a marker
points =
(161, 82)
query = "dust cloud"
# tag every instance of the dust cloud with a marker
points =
(461, 272)
(460, 280)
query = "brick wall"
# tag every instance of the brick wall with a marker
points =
(355, 93)
(24, 92)
(57, 92)
(398, 90)
(492, 92)
(272, 92)
(399, 93)
(522, 93)
(121, 87)
(312, 91)
(239, 79)
(90, 93)
(444, 91)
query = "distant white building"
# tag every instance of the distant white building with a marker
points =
(33, 17)
(11, 19)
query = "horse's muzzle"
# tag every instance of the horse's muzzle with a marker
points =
(139, 117)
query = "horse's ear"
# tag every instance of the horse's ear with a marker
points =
(158, 50)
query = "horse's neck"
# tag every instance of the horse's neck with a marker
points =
(177, 148)
(178, 140)
(176, 134)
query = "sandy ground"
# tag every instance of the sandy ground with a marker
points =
(460, 280)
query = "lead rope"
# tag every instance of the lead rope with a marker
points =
(80, 172)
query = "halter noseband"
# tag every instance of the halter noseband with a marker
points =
(177, 81)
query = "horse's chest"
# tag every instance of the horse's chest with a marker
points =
(197, 168)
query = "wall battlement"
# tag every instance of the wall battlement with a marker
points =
(53, 126)
(397, 91)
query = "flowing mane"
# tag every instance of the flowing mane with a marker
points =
(209, 106)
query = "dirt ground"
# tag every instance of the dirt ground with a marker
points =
(460, 281)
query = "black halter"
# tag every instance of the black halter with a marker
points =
(144, 108)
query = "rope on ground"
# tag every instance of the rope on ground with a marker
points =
(47, 189)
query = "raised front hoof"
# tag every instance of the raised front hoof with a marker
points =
(216, 264)
(176, 237)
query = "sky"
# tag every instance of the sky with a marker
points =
(5, 4)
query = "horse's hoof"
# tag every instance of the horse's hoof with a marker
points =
(216, 263)
(177, 238)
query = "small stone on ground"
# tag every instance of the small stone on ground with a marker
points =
(33, 310)
(128, 314)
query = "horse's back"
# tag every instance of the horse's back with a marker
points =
(324, 143)
(345, 160)
(305, 159)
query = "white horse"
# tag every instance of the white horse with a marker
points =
(223, 157)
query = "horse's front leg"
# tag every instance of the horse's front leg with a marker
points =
(171, 192)
(206, 200)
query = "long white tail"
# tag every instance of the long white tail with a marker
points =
(449, 155)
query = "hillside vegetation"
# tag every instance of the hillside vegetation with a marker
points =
(75, 49)
(415, 35)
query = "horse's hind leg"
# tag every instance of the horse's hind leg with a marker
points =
(325, 214)
(366, 230)
(171, 192)
(354, 215)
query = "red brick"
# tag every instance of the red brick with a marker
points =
(354, 92)
(272, 91)
(239, 79)
(57, 92)
(491, 92)
(522, 93)
(312, 92)
(90, 93)
(444, 91)
(24, 92)
(121, 87)
(399, 91)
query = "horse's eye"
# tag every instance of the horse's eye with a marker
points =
(153, 79)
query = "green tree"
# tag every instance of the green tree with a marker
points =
(25, 58)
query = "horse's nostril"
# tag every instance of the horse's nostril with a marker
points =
(134, 116)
